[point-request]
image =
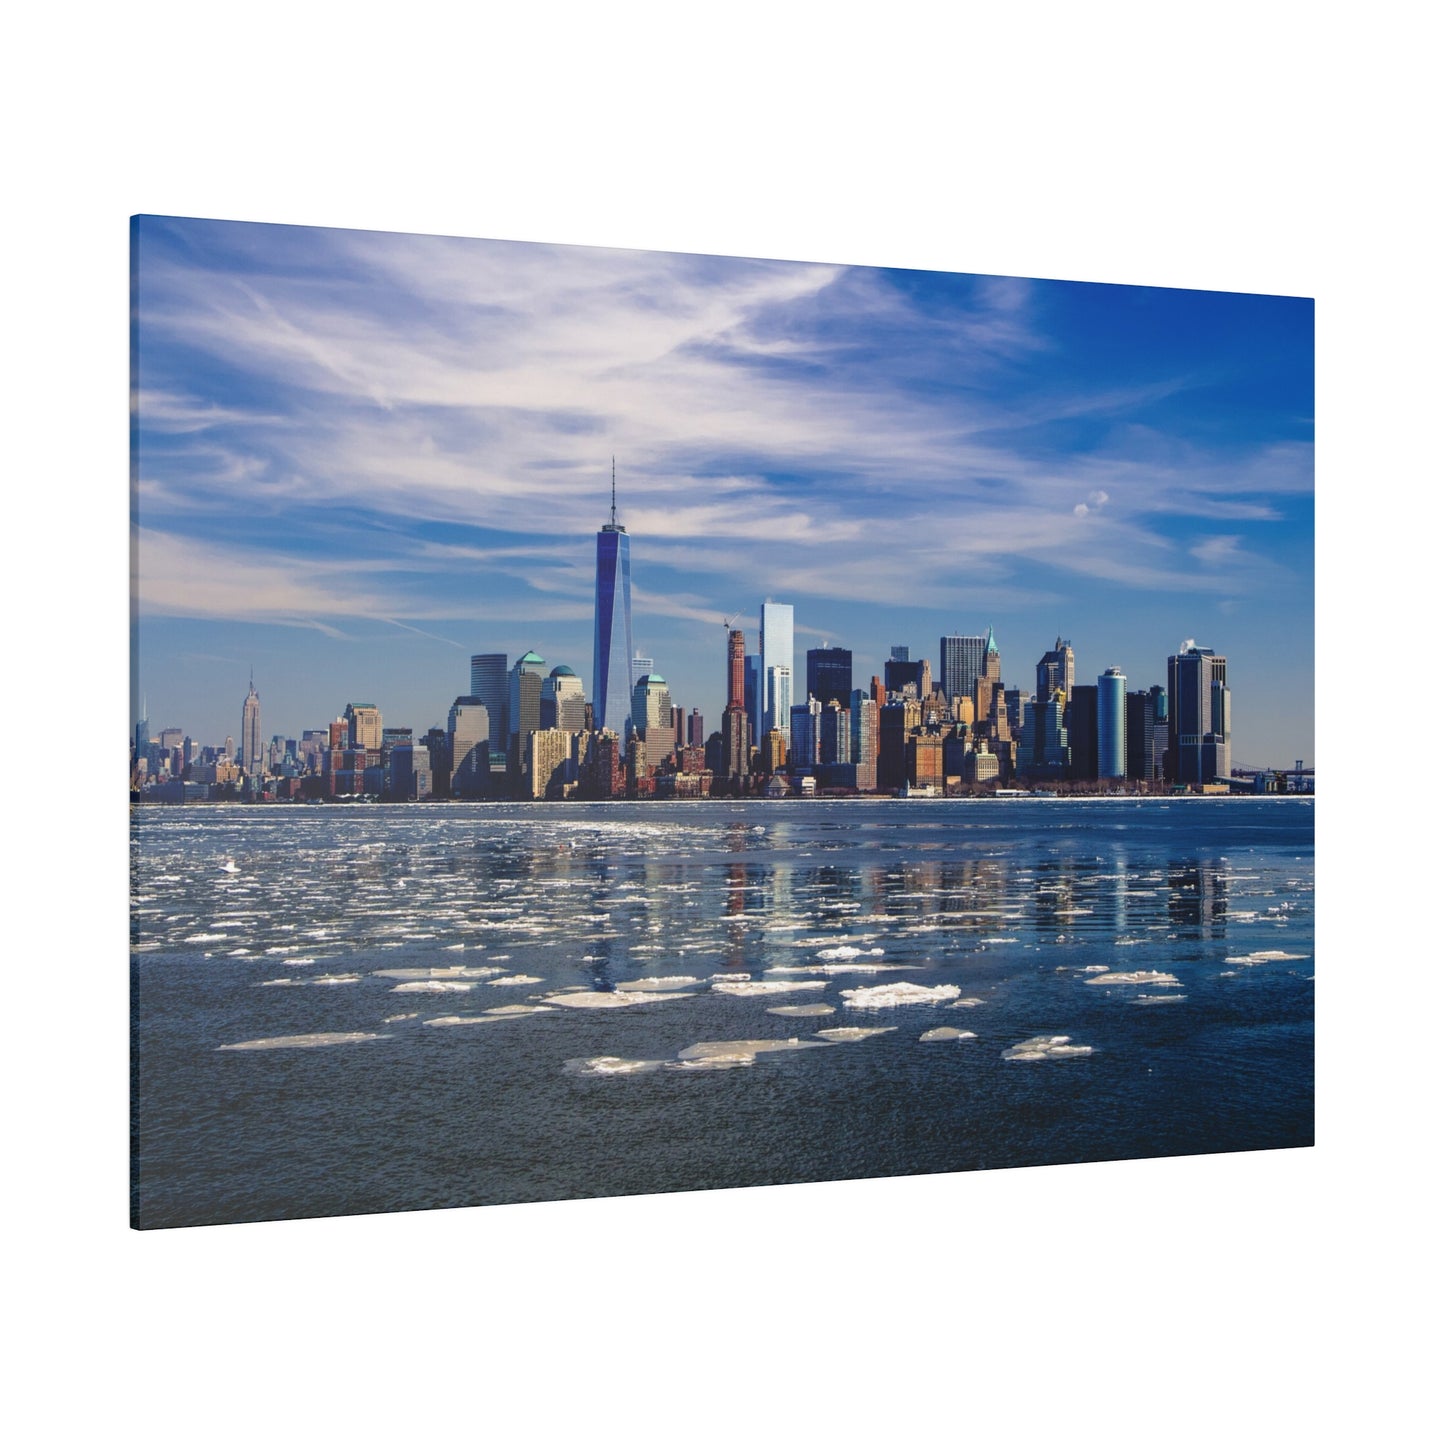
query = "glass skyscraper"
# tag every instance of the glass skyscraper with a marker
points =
(612, 626)
(775, 666)
(1111, 723)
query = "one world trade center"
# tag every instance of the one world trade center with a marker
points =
(612, 628)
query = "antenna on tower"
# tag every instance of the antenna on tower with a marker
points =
(614, 491)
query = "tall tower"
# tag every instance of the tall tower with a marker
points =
(775, 666)
(612, 624)
(737, 746)
(251, 731)
(961, 663)
(1198, 715)
(489, 686)
(1055, 672)
(830, 675)
(1111, 723)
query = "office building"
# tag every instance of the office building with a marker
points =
(563, 705)
(1083, 714)
(804, 736)
(775, 664)
(469, 765)
(830, 675)
(524, 707)
(363, 727)
(250, 759)
(1055, 672)
(489, 687)
(652, 719)
(960, 664)
(863, 742)
(612, 624)
(1146, 733)
(1199, 723)
(1111, 724)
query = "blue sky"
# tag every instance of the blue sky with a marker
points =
(364, 456)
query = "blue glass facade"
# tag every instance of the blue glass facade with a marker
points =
(612, 631)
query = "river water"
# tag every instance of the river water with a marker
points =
(363, 1008)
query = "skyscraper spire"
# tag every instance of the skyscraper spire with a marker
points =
(614, 491)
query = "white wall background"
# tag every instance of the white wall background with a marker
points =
(1271, 147)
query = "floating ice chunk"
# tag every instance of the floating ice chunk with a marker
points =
(454, 1020)
(282, 983)
(934, 1036)
(999, 940)
(399, 1018)
(656, 985)
(737, 1053)
(966, 1003)
(831, 968)
(1142, 975)
(891, 995)
(516, 1010)
(802, 1010)
(454, 971)
(1096, 968)
(512, 978)
(1264, 955)
(593, 999)
(852, 1034)
(737, 988)
(608, 1066)
(1161, 998)
(730, 978)
(1047, 1046)
(331, 978)
(305, 1041)
(434, 985)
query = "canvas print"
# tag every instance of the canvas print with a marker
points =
(612, 722)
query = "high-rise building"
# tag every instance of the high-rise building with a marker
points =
(1146, 733)
(835, 741)
(1111, 723)
(960, 663)
(563, 705)
(652, 718)
(737, 670)
(469, 753)
(830, 675)
(805, 736)
(251, 731)
(363, 727)
(863, 726)
(696, 737)
(489, 686)
(901, 673)
(524, 708)
(1055, 672)
(1199, 724)
(612, 624)
(775, 666)
(1083, 712)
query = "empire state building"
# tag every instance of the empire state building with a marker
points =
(612, 627)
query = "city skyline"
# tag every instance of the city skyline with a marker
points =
(364, 458)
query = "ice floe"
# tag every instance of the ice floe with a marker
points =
(737, 988)
(399, 1018)
(510, 979)
(892, 995)
(737, 1053)
(966, 1003)
(852, 1034)
(1047, 1046)
(934, 1036)
(802, 1010)
(657, 985)
(593, 999)
(305, 1041)
(608, 1066)
(334, 978)
(1264, 955)
(455, 971)
(1142, 975)
(435, 985)
(1161, 998)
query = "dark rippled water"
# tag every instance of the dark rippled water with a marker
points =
(315, 991)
